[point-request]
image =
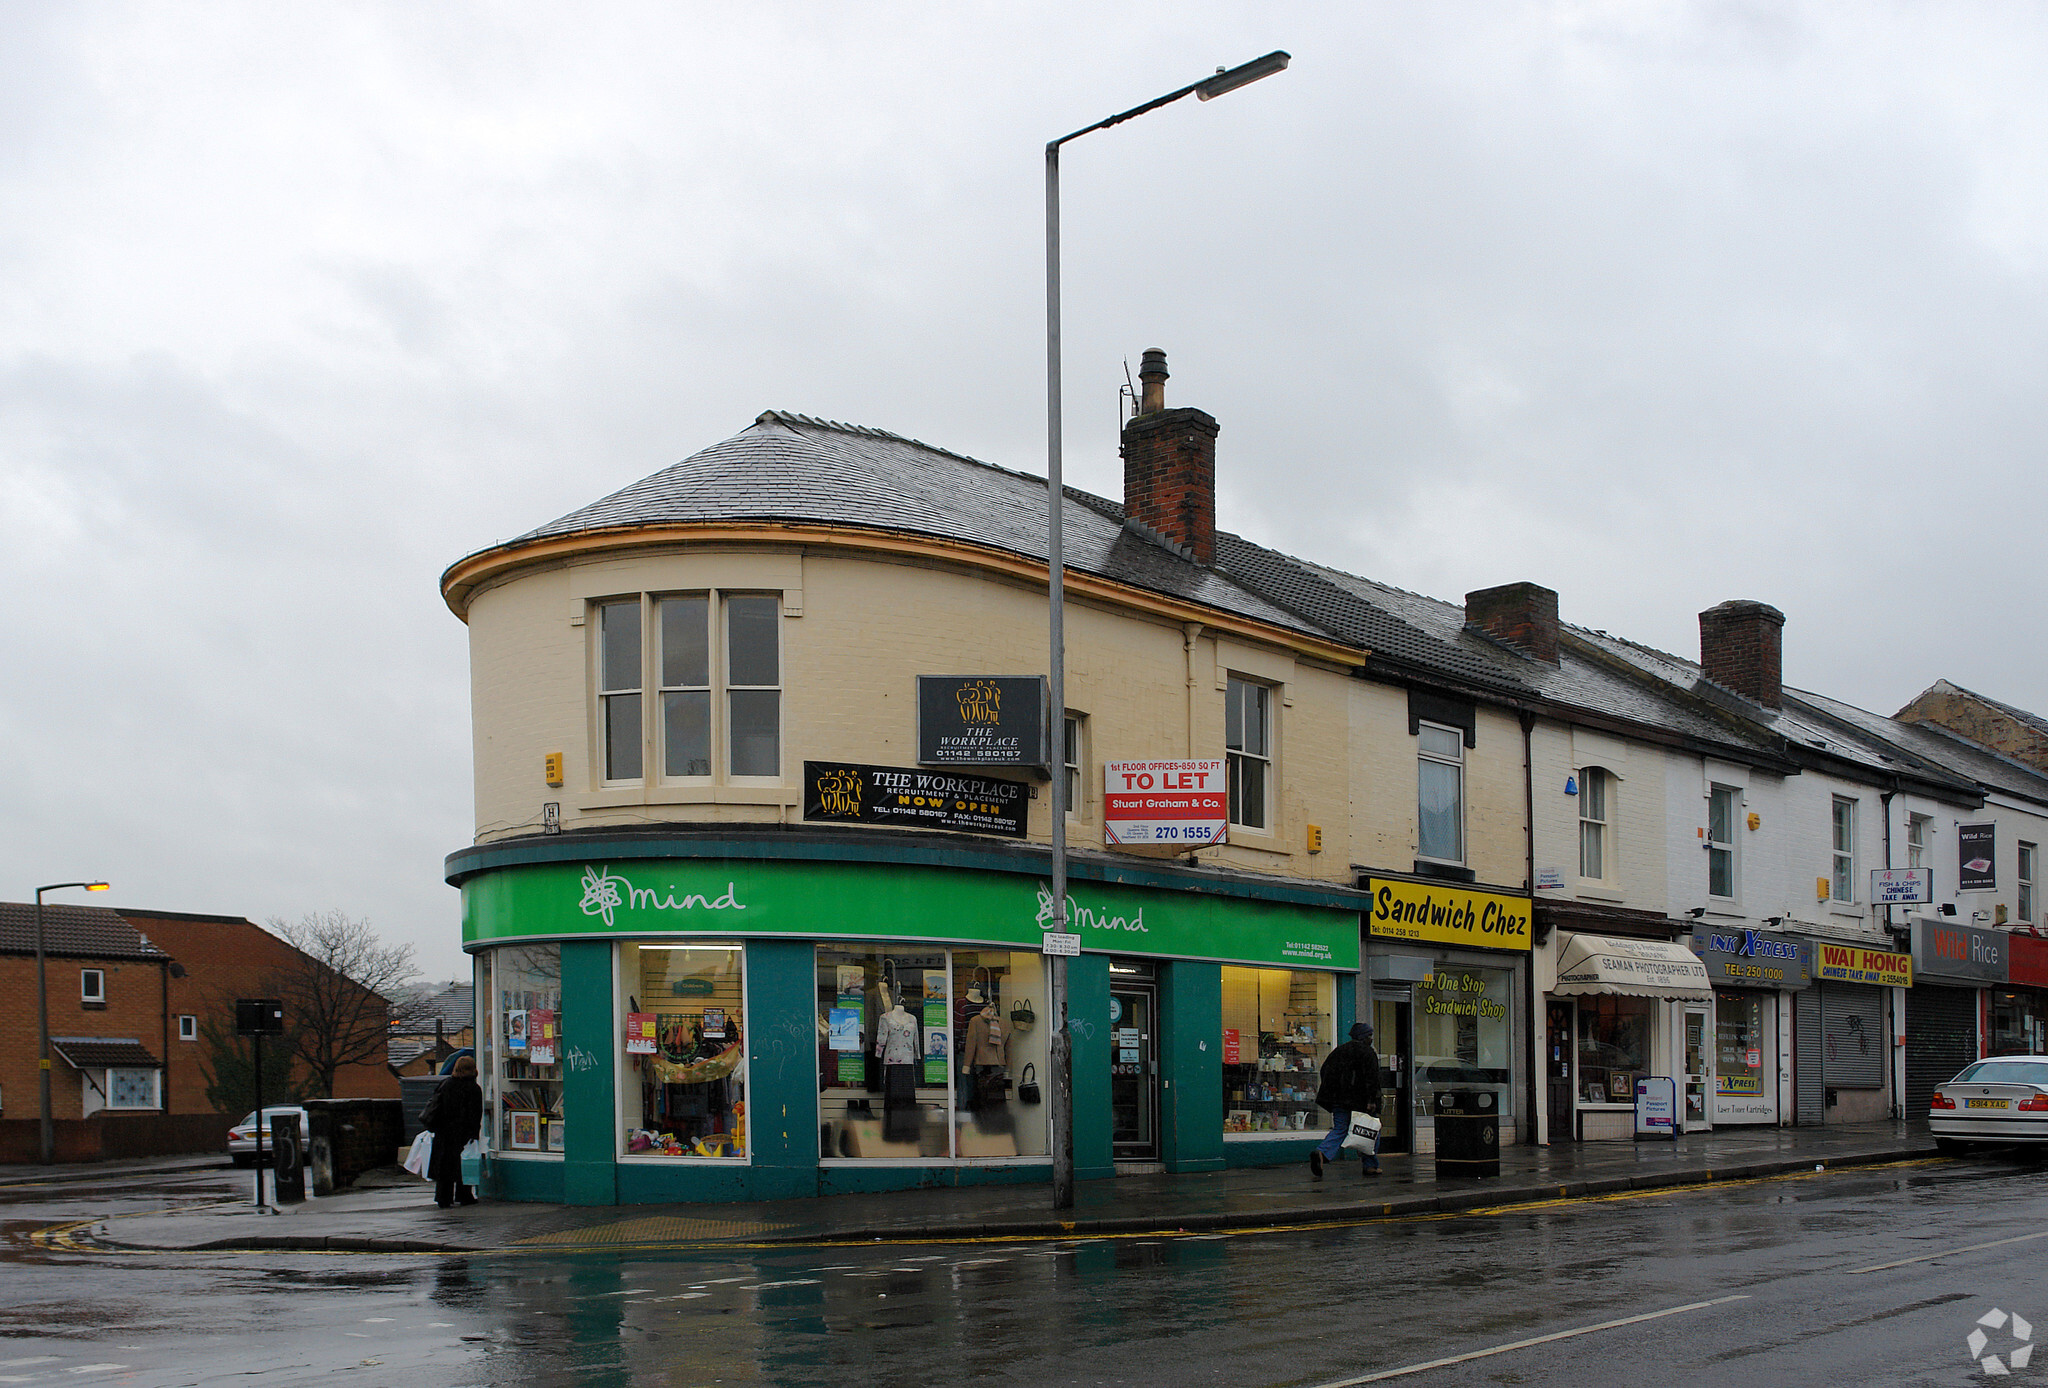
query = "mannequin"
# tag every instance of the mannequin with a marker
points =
(984, 1064)
(896, 1047)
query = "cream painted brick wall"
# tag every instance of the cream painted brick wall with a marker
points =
(1384, 788)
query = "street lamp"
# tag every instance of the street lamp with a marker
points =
(43, 1017)
(1062, 1050)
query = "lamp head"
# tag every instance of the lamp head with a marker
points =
(96, 886)
(1696, 912)
(1229, 80)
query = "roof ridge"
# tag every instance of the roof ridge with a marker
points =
(789, 418)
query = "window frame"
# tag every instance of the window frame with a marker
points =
(722, 672)
(1842, 857)
(1074, 760)
(663, 690)
(2029, 858)
(92, 985)
(653, 692)
(1238, 757)
(156, 1087)
(1424, 754)
(188, 1027)
(1727, 846)
(1595, 784)
(606, 692)
(1917, 842)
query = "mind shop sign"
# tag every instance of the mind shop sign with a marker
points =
(1754, 959)
(1438, 914)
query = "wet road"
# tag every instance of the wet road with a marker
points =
(1874, 1277)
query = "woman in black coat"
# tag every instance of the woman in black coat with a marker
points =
(455, 1116)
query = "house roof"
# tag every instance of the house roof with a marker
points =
(77, 932)
(454, 1004)
(104, 1052)
(2018, 715)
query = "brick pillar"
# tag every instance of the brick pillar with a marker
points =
(1522, 615)
(1742, 648)
(1170, 477)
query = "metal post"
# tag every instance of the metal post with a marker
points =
(1062, 1046)
(257, 1040)
(49, 1132)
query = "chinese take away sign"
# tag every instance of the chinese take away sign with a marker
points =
(1181, 803)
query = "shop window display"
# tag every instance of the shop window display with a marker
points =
(1278, 1028)
(1739, 1058)
(929, 1054)
(683, 1074)
(1463, 1036)
(2019, 1023)
(520, 1063)
(1614, 1047)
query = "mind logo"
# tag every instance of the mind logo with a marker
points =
(2017, 1357)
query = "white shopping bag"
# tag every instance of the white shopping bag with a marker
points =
(422, 1152)
(1364, 1135)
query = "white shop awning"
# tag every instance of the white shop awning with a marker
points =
(1591, 964)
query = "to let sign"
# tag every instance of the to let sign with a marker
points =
(1180, 803)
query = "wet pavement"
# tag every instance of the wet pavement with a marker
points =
(1873, 1274)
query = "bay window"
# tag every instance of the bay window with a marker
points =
(715, 662)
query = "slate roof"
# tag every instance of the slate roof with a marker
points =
(794, 468)
(1933, 743)
(78, 932)
(104, 1052)
(453, 1003)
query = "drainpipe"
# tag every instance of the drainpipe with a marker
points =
(1529, 882)
(1891, 942)
(1190, 632)
(163, 979)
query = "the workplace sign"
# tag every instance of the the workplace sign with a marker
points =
(1179, 803)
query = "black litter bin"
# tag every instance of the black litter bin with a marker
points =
(1467, 1133)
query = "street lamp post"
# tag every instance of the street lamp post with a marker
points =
(49, 1133)
(1062, 1049)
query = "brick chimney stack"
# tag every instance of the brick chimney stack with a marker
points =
(1170, 466)
(1522, 615)
(1742, 647)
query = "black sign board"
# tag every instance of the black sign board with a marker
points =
(288, 1168)
(1976, 857)
(259, 1017)
(981, 720)
(907, 797)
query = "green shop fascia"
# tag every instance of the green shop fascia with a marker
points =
(668, 1018)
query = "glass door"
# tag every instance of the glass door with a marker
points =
(1391, 1036)
(1699, 1070)
(1134, 1070)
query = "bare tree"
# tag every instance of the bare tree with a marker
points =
(339, 994)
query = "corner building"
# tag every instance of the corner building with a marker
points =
(760, 875)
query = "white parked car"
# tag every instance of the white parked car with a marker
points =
(2002, 1100)
(242, 1137)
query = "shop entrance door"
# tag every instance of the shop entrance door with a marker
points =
(1134, 1070)
(1557, 1071)
(1392, 1037)
(1699, 1069)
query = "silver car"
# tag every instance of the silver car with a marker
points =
(242, 1137)
(2003, 1100)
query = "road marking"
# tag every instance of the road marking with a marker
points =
(1949, 1253)
(95, 1368)
(1551, 1338)
(32, 1359)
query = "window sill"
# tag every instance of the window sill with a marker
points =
(625, 797)
(1600, 893)
(1444, 872)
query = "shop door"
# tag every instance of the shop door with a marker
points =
(1134, 1071)
(1745, 1057)
(1557, 1070)
(1393, 1037)
(1699, 1069)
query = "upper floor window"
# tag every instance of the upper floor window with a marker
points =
(2025, 879)
(717, 671)
(188, 1027)
(1919, 829)
(1248, 745)
(92, 985)
(1593, 784)
(1440, 793)
(1843, 882)
(1070, 761)
(1721, 807)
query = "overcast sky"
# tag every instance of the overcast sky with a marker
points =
(1657, 305)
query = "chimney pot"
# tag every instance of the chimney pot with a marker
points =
(1522, 615)
(1152, 375)
(1742, 648)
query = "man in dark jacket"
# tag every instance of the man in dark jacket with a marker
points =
(455, 1116)
(1351, 1084)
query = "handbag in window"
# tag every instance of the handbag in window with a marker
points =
(1022, 1018)
(1027, 1085)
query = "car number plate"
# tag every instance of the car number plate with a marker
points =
(1987, 1103)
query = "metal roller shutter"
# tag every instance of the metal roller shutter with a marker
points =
(1809, 1093)
(1941, 1038)
(1853, 1046)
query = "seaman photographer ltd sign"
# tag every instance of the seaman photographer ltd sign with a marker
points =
(981, 720)
(908, 797)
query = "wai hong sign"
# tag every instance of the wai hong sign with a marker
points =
(1180, 803)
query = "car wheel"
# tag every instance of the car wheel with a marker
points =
(1954, 1146)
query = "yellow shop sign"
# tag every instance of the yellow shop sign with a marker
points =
(1447, 915)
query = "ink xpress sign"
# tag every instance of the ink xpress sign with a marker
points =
(1755, 959)
(895, 901)
(1431, 911)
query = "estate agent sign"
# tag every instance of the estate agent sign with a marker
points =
(981, 720)
(1181, 803)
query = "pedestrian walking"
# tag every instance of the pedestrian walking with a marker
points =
(455, 1116)
(1351, 1084)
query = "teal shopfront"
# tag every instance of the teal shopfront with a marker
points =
(670, 1018)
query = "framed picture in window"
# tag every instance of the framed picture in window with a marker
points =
(526, 1132)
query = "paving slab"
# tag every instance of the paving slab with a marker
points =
(389, 1211)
